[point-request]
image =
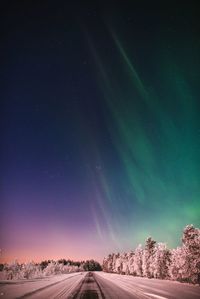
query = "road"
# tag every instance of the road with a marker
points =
(99, 285)
(140, 287)
(95, 287)
(56, 286)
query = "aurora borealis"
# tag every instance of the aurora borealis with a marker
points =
(101, 129)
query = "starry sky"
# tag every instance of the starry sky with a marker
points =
(100, 126)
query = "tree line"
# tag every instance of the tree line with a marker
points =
(155, 260)
(16, 270)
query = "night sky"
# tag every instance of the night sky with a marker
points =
(100, 142)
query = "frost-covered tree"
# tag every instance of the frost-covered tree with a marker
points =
(161, 261)
(130, 263)
(118, 263)
(137, 263)
(105, 264)
(114, 262)
(81, 267)
(51, 269)
(177, 264)
(148, 255)
(15, 270)
(124, 269)
(191, 257)
(110, 266)
(44, 264)
(31, 270)
(12, 271)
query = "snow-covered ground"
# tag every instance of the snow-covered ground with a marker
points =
(32, 287)
(99, 285)
(142, 287)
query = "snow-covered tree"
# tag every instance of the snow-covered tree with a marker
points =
(176, 264)
(191, 257)
(148, 254)
(105, 264)
(51, 269)
(110, 265)
(161, 261)
(130, 263)
(124, 269)
(12, 271)
(31, 270)
(137, 263)
(118, 263)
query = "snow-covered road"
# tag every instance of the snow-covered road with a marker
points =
(97, 285)
(141, 287)
(57, 286)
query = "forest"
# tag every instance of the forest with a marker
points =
(155, 260)
(30, 270)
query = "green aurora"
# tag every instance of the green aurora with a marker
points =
(155, 130)
(101, 127)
